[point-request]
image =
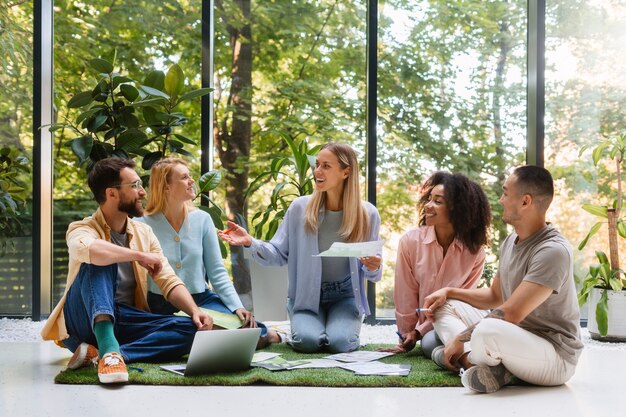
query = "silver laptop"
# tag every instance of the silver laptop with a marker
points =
(219, 351)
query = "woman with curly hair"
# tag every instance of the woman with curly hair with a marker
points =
(446, 250)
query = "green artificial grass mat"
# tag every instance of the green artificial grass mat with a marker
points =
(424, 373)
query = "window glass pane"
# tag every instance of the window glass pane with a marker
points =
(585, 101)
(16, 145)
(283, 69)
(451, 96)
(138, 37)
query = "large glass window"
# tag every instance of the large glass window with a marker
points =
(585, 101)
(284, 71)
(137, 37)
(451, 96)
(16, 144)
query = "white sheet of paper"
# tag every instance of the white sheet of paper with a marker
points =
(356, 249)
(377, 368)
(358, 356)
(263, 356)
(320, 363)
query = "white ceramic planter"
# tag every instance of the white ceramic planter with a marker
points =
(617, 316)
(269, 290)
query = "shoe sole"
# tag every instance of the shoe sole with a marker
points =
(114, 378)
(78, 359)
(482, 380)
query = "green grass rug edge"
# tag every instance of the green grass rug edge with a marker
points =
(424, 373)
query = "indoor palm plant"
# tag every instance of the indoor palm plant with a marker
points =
(603, 286)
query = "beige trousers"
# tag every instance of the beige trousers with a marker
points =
(494, 341)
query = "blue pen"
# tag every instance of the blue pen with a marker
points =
(400, 336)
(135, 368)
(421, 310)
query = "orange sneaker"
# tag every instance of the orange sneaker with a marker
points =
(84, 355)
(112, 369)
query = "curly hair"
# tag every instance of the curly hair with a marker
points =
(468, 207)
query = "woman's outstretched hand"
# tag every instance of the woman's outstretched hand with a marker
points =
(235, 235)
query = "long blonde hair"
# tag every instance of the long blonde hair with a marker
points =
(160, 177)
(355, 226)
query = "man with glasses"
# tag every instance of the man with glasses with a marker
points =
(104, 303)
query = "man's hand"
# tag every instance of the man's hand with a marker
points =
(246, 317)
(452, 354)
(434, 301)
(152, 262)
(202, 320)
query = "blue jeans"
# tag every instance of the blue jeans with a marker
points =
(142, 336)
(336, 326)
(207, 299)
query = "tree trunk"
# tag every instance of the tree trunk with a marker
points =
(233, 132)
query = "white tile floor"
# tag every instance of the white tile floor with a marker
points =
(27, 389)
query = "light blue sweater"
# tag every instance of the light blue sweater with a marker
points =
(193, 254)
(293, 246)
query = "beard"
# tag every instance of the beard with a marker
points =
(131, 208)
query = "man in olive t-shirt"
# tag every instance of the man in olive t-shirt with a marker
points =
(533, 330)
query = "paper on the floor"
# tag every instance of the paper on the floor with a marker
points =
(377, 368)
(359, 356)
(319, 363)
(278, 364)
(263, 356)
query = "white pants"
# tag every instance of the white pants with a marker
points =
(494, 341)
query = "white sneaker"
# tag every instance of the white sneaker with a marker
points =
(486, 379)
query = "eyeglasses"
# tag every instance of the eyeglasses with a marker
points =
(135, 185)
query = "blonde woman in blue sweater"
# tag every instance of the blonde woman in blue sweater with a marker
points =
(326, 296)
(189, 241)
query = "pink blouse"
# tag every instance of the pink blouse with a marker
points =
(422, 269)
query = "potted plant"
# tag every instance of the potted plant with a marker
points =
(127, 118)
(603, 286)
(292, 177)
(14, 192)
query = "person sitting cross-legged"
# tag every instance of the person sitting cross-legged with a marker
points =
(103, 315)
(532, 331)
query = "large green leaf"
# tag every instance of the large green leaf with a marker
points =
(174, 81)
(594, 229)
(209, 181)
(129, 92)
(154, 92)
(101, 65)
(82, 146)
(195, 94)
(120, 80)
(602, 313)
(80, 100)
(155, 79)
(150, 159)
(600, 211)
(621, 228)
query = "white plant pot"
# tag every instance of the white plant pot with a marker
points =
(269, 290)
(617, 316)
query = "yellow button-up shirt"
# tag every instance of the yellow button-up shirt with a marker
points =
(80, 235)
